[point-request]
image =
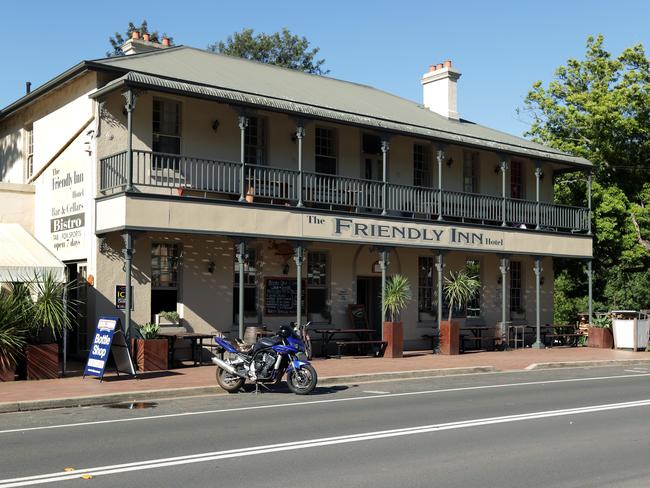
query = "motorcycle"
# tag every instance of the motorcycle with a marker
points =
(266, 362)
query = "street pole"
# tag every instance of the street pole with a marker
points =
(538, 272)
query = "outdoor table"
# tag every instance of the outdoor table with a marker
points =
(194, 337)
(543, 330)
(477, 333)
(328, 334)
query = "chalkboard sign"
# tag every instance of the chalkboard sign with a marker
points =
(280, 296)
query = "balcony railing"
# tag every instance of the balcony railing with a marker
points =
(222, 179)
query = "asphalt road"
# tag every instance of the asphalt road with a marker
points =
(558, 428)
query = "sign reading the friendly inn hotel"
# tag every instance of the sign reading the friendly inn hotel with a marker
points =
(400, 233)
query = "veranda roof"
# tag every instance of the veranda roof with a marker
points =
(22, 256)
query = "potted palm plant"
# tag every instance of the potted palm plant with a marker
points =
(48, 315)
(459, 288)
(12, 334)
(396, 297)
(599, 333)
(151, 350)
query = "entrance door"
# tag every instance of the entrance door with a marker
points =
(372, 158)
(77, 274)
(369, 295)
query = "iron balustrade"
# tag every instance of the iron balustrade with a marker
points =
(459, 205)
(281, 186)
(339, 191)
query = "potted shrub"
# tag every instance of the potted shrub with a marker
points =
(48, 315)
(396, 297)
(168, 318)
(599, 333)
(12, 334)
(459, 288)
(151, 351)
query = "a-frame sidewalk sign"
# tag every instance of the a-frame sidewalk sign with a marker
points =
(109, 338)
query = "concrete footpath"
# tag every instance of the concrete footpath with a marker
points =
(191, 381)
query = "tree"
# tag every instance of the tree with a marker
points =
(280, 48)
(142, 29)
(599, 108)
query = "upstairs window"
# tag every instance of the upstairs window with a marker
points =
(325, 151)
(29, 151)
(516, 180)
(421, 166)
(471, 170)
(255, 141)
(166, 126)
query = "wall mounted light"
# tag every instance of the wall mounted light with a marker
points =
(541, 281)
(211, 266)
(497, 168)
(215, 125)
(450, 161)
(285, 269)
(499, 280)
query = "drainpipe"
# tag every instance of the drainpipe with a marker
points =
(538, 272)
(504, 267)
(241, 259)
(383, 264)
(129, 106)
(243, 123)
(589, 207)
(299, 257)
(300, 133)
(590, 277)
(385, 147)
(503, 167)
(538, 176)
(440, 155)
(128, 264)
(440, 266)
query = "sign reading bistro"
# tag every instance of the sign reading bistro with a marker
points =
(352, 229)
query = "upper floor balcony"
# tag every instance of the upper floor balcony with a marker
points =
(154, 172)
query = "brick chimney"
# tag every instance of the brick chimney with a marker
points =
(135, 45)
(440, 90)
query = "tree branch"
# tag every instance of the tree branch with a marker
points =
(640, 240)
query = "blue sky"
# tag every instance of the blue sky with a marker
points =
(501, 47)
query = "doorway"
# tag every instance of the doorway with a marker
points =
(369, 295)
(78, 339)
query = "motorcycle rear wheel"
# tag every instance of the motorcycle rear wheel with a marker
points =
(302, 381)
(228, 381)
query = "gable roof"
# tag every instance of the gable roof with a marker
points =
(195, 72)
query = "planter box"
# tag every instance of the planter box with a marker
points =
(151, 354)
(600, 337)
(394, 335)
(7, 374)
(42, 361)
(450, 337)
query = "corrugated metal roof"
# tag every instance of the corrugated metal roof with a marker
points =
(24, 257)
(194, 70)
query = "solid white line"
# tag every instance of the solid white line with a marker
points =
(377, 392)
(316, 402)
(309, 443)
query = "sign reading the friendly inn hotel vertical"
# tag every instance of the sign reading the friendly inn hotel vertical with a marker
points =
(401, 233)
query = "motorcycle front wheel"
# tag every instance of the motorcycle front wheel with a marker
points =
(228, 381)
(302, 381)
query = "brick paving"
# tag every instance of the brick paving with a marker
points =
(204, 376)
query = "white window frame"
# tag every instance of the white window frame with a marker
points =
(334, 138)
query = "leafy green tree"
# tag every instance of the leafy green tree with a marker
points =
(599, 108)
(117, 40)
(280, 48)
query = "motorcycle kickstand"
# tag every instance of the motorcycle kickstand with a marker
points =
(258, 390)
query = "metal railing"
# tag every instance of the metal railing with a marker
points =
(267, 184)
(339, 191)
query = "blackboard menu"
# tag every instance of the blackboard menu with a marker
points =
(280, 296)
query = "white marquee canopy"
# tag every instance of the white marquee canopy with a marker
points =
(22, 256)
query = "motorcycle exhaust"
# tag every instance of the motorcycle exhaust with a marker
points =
(224, 365)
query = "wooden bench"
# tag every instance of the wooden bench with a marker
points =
(382, 346)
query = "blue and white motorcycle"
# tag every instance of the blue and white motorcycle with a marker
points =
(266, 363)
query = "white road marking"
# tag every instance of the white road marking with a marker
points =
(309, 443)
(316, 402)
(377, 392)
(635, 370)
